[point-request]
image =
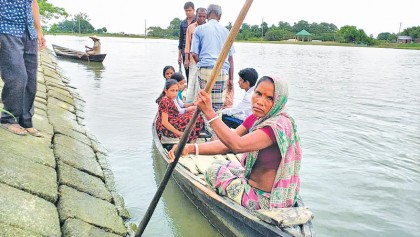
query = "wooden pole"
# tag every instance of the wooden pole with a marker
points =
(213, 77)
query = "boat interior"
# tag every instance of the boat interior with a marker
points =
(291, 220)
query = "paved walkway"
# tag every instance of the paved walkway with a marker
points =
(61, 184)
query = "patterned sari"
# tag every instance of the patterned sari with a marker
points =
(232, 181)
(179, 121)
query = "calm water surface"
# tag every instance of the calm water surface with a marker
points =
(357, 110)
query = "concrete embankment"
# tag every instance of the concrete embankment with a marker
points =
(61, 184)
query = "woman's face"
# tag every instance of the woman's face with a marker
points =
(263, 98)
(168, 73)
(172, 92)
(181, 84)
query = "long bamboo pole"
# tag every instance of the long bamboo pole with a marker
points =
(213, 77)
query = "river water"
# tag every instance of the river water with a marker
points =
(357, 110)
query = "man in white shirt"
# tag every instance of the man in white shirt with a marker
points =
(234, 116)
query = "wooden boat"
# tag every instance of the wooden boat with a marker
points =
(228, 217)
(74, 54)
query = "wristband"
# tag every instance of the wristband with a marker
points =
(214, 118)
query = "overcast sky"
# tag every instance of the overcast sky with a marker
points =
(373, 16)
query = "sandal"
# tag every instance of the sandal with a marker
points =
(14, 128)
(34, 132)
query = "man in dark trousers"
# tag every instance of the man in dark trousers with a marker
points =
(189, 12)
(20, 38)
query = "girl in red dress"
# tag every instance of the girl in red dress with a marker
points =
(170, 122)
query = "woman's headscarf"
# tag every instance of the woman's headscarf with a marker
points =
(285, 190)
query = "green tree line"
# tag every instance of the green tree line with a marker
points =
(284, 31)
(80, 23)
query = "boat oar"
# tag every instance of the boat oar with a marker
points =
(213, 77)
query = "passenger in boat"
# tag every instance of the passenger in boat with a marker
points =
(170, 121)
(168, 71)
(181, 83)
(207, 44)
(268, 176)
(233, 117)
(96, 48)
(184, 107)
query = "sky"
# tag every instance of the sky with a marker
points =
(129, 16)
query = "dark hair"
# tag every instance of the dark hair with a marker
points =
(166, 68)
(168, 84)
(250, 75)
(265, 78)
(177, 76)
(201, 9)
(188, 5)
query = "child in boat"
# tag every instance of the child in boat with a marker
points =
(168, 71)
(181, 83)
(170, 122)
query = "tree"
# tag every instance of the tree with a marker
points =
(348, 34)
(174, 24)
(278, 34)
(264, 28)
(284, 26)
(387, 36)
(82, 20)
(301, 25)
(155, 31)
(48, 11)
(245, 27)
(65, 26)
(101, 30)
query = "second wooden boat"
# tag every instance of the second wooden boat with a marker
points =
(74, 54)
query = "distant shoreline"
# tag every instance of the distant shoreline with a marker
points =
(413, 46)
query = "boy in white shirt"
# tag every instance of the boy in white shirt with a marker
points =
(234, 116)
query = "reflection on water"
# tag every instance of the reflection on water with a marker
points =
(174, 200)
(97, 68)
(357, 111)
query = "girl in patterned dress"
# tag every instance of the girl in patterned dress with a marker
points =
(268, 176)
(170, 122)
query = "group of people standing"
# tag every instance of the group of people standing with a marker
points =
(259, 127)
